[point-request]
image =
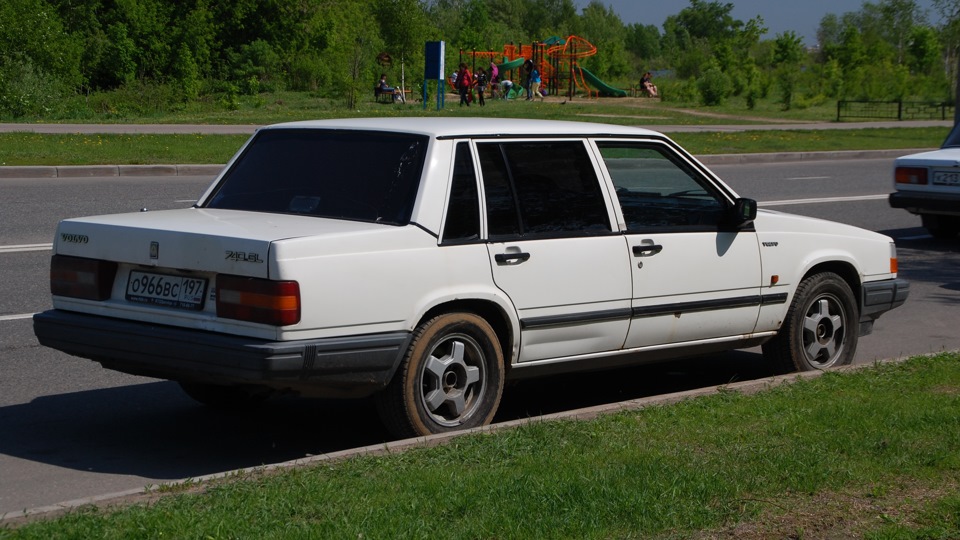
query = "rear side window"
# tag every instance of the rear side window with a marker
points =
(463, 209)
(362, 176)
(541, 189)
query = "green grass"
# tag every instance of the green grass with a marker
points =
(103, 149)
(871, 453)
(276, 107)
(100, 149)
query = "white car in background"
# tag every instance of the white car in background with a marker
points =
(928, 185)
(425, 261)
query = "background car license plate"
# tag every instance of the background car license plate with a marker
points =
(944, 178)
(166, 290)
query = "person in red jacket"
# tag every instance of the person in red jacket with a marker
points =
(464, 83)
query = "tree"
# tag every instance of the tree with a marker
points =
(602, 27)
(707, 20)
(404, 28)
(788, 52)
(39, 58)
(923, 50)
(950, 12)
(850, 51)
(546, 18)
(703, 31)
(898, 18)
(475, 19)
(643, 40)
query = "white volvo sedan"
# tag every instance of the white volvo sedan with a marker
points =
(425, 261)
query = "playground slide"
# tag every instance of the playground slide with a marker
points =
(603, 87)
(513, 64)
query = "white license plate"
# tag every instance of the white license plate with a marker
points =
(943, 178)
(166, 290)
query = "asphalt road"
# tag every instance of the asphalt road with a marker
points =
(71, 429)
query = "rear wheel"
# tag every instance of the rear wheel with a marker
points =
(450, 379)
(942, 227)
(821, 328)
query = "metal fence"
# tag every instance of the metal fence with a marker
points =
(894, 110)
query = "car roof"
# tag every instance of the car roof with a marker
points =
(454, 127)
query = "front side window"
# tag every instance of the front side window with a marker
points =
(362, 176)
(541, 189)
(658, 192)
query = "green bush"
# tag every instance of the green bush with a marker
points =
(678, 91)
(138, 98)
(26, 91)
(714, 86)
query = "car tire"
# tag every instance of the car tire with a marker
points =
(451, 378)
(821, 328)
(224, 397)
(941, 227)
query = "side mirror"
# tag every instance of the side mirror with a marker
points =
(744, 211)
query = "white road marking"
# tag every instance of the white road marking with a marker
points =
(16, 317)
(824, 200)
(25, 247)
(810, 178)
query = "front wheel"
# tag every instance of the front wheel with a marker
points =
(821, 327)
(450, 379)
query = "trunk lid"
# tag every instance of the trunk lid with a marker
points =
(194, 239)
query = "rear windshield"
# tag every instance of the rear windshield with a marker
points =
(361, 176)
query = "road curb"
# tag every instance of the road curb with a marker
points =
(88, 171)
(588, 413)
(783, 157)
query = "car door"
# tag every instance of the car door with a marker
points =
(695, 277)
(553, 248)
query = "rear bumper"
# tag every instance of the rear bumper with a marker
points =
(879, 297)
(918, 203)
(332, 367)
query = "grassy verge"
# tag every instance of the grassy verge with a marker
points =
(866, 454)
(268, 108)
(36, 149)
(103, 149)
(97, 149)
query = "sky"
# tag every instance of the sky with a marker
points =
(801, 16)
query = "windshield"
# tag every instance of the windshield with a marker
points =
(362, 176)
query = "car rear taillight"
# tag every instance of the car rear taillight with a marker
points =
(910, 175)
(76, 277)
(893, 258)
(258, 300)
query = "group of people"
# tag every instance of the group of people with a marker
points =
(465, 81)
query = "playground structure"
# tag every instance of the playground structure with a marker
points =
(558, 61)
